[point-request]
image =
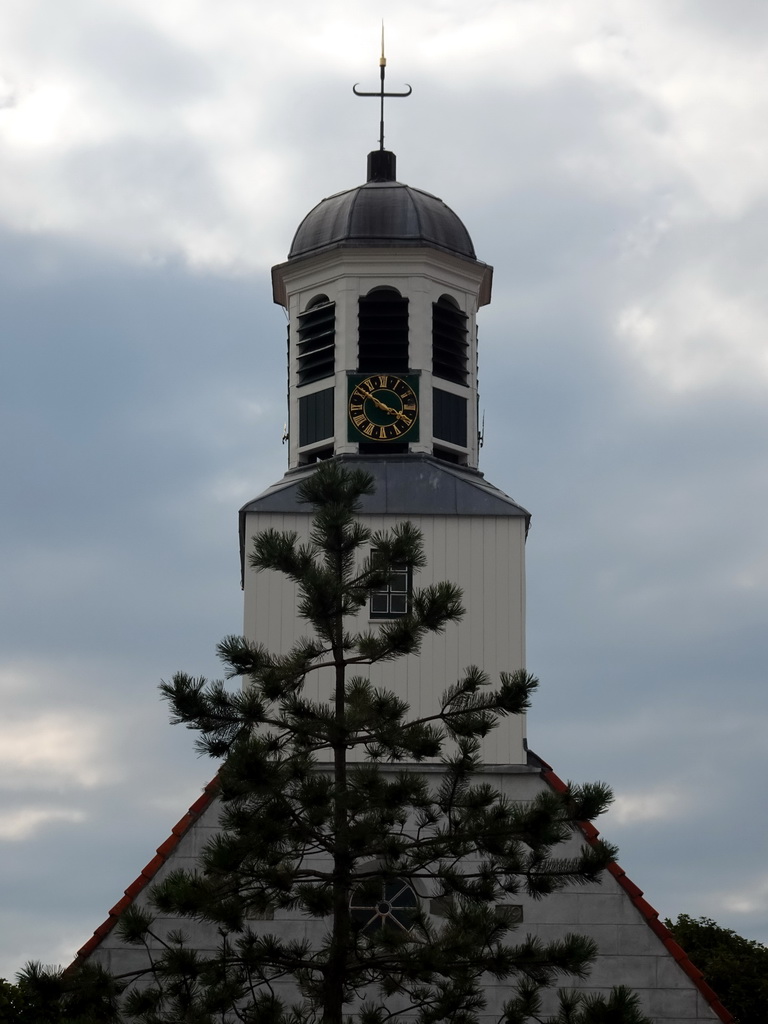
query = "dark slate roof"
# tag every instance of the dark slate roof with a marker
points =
(382, 213)
(405, 485)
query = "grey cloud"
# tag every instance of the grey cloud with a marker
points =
(127, 399)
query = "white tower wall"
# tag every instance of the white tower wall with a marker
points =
(483, 554)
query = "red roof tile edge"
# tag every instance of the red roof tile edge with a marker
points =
(648, 912)
(164, 851)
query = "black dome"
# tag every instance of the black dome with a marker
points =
(381, 213)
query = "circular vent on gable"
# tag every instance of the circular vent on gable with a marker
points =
(395, 909)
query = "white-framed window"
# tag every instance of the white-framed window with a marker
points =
(394, 598)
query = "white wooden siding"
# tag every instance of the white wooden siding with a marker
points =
(483, 554)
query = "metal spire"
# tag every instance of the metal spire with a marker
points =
(381, 93)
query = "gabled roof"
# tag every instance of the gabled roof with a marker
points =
(591, 834)
(147, 873)
(649, 913)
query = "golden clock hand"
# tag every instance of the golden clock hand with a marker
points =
(383, 407)
(397, 413)
(386, 409)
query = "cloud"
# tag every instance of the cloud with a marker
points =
(52, 750)
(694, 336)
(91, 152)
(637, 808)
(49, 749)
(23, 824)
(611, 164)
(748, 899)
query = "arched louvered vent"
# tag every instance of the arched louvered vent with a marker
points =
(450, 347)
(383, 332)
(317, 338)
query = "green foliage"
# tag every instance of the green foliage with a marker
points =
(48, 995)
(308, 823)
(620, 1007)
(736, 968)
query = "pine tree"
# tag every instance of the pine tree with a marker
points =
(309, 825)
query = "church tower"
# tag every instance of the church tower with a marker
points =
(382, 288)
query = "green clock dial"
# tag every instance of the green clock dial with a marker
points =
(382, 407)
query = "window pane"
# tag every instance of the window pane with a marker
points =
(393, 599)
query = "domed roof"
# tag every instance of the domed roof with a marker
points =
(382, 212)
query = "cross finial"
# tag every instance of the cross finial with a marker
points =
(381, 93)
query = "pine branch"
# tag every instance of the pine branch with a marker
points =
(301, 837)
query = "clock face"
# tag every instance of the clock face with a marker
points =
(383, 407)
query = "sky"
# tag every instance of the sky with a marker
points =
(611, 162)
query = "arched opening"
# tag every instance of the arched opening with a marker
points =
(382, 332)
